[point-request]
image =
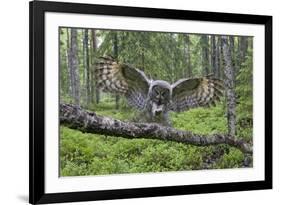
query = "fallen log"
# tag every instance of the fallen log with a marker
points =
(77, 118)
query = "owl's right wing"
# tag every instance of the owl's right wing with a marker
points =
(196, 92)
(119, 78)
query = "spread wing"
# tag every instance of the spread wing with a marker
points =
(118, 78)
(196, 92)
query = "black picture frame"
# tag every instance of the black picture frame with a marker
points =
(37, 11)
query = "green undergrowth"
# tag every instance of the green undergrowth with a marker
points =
(92, 154)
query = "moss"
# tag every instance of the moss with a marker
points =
(92, 154)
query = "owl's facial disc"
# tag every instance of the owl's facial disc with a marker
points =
(160, 95)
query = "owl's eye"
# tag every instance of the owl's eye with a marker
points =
(156, 91)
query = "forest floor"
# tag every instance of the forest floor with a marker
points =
(92, 154)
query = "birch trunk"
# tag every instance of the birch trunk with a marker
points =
(229, 86)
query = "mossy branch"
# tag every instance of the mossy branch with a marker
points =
(85, 121)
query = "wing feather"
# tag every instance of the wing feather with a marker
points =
(119, 78)
(196, 92)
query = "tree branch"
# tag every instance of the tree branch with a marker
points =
(85, 121)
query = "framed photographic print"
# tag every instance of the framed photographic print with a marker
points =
(140, 102)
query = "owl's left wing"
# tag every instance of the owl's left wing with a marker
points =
(195, 92)
(120, 78)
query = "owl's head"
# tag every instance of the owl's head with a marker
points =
(160, 95)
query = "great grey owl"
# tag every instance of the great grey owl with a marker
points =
(156, 98)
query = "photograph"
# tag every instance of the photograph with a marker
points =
(136, 102)
(130, 102)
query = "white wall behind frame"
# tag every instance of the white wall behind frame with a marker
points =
(14, 99)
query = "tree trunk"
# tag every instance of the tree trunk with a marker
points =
(95, 46)
(218, 58)
(188, 58)
(242, 49)
(115, 53)
(229, 86)
(205, 54)
(69, 71)
(232, 52)
(76, 118)
(73, 67)
(214, 58)
(142, 50)
(88, 91)
(84, 76)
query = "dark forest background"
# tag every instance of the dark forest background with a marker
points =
(166, 56)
